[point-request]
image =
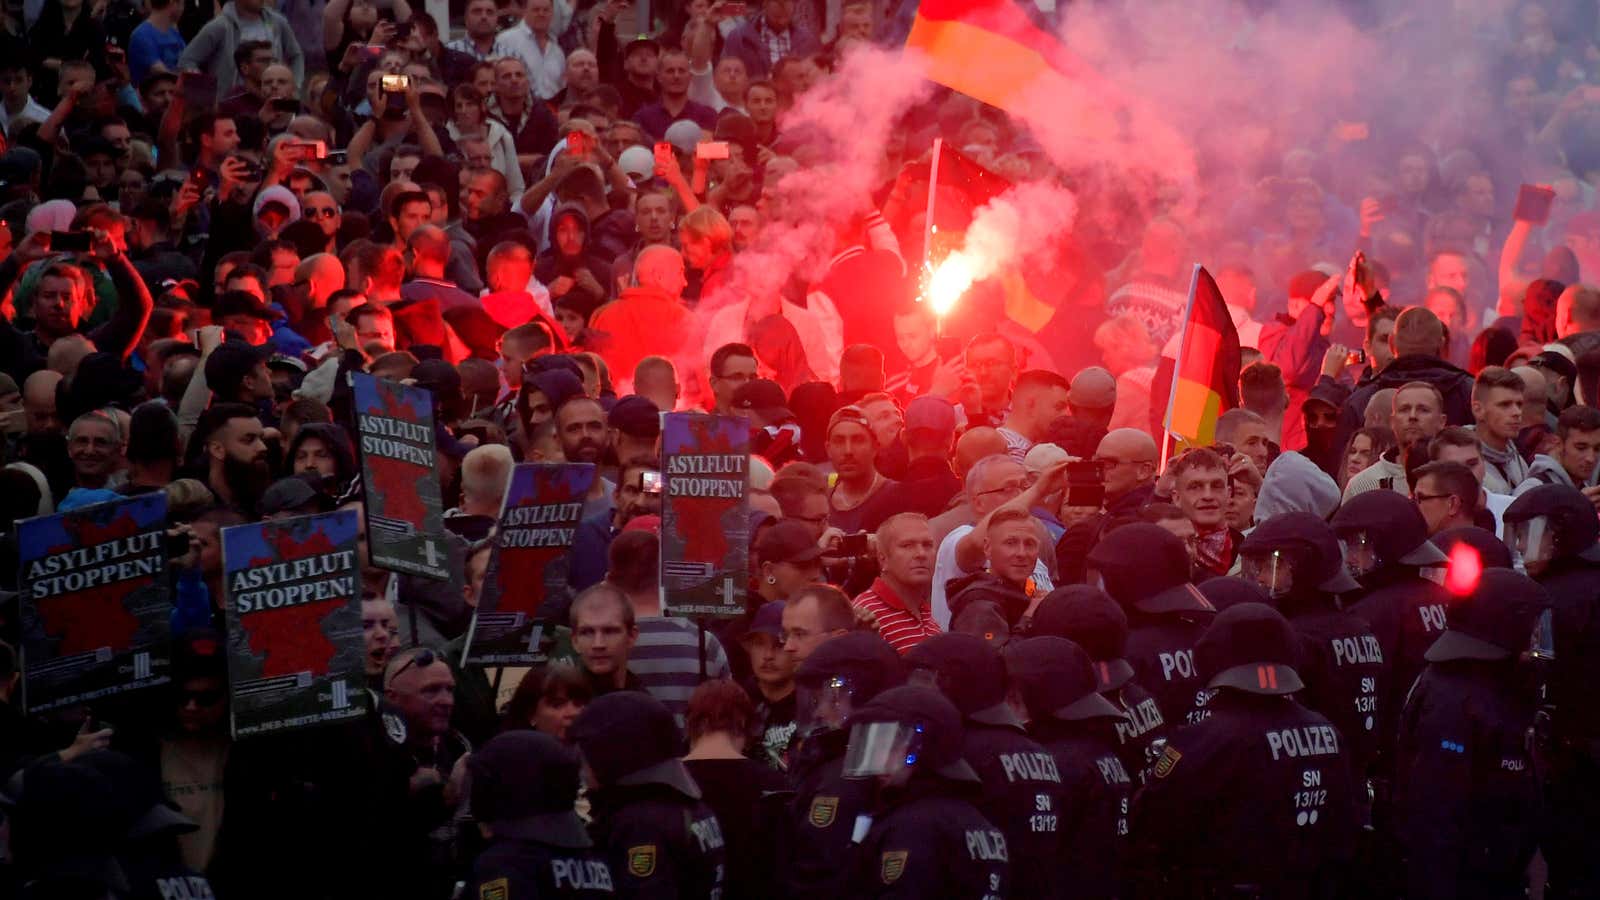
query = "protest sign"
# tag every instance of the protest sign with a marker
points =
(295, 645)
(705, 515)
(529, 563)
(400, 477)
(94, 604)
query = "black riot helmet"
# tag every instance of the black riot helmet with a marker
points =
(1382, 530)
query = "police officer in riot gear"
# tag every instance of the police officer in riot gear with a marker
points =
(924, 837)
(524, 786)
(1466, 796)
(1385, 542)
(837, 678)
(1296, 557)
(1056, 684)
(1022, 789)
(657, 838)
(1145, 568)
(1255, 800)
(1092, 620)
(1555, 530)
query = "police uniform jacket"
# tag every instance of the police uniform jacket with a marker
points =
(821, 818)
(1256, 794)
(931, 843)
(1142, 726)
(1466, 797)
(1407, 614)
(1160, 648)
(1094, 814)
(529, 870)
(1346, 675)
(659, 842)
(1024, 797)
(1574, 587)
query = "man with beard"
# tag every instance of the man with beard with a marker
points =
(581, 427)
(234, 455)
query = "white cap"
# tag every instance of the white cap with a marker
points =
(684, 135)
(638, 162)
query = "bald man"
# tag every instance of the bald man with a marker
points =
(1093, 397)
(39, 401)
(973, 445)
(1128, 458)
(430, 256)
(1535, 393)
(656, 380)
(649, 317)
(323, 274)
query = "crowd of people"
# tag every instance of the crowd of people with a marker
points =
(1001, 637)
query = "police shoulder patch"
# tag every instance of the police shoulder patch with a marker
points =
(823, 811)
(494, 890)
(1168, 761)
(893, 866)
(642, 860)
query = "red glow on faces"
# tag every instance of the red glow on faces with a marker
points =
(1466, 567)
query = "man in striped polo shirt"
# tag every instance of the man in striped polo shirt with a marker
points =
(898, 599)
(665, 656)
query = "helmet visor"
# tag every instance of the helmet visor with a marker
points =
(823, 706)
(1272, 569)
(1542, 645)
(881, 748)
(1533, 542)
(1360, 553)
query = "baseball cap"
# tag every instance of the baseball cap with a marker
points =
(1043, 456)
(1093, 388)
(642, 42)
(764, 397)
(852, 414)
(1555, 362)
(230, 362)
(292, 494)
(635, 416)
(931, 414)
(280, 196)
(286, 364)
(683, 135)
(638, 162)
(651, 524)
(787, 542)
(768, 620)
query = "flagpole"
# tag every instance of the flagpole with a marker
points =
(1177, 366)
(928, 227)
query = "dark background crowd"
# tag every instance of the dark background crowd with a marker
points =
(1000, 636)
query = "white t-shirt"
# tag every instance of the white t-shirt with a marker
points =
(945, 569)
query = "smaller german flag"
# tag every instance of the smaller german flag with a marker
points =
(1205, 382)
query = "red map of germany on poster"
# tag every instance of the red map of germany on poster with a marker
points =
(290, 638)
(89, 619)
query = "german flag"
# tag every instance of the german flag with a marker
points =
(992, 51)
(1205, 376)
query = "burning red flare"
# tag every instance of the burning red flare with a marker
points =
(1466, 567)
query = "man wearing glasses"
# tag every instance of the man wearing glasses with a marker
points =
(992, 362)
(1127, 458)
(321, 208)
(992, 483)
(732, 367)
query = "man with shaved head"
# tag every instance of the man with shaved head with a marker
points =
(1128, 459)
(430, 256)
(649, 317)
(323, 274)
